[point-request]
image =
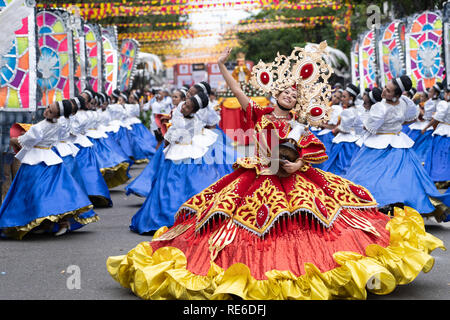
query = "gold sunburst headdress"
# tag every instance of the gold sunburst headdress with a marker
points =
(305, 70)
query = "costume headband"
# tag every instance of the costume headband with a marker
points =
(77, 101)
(437, 88)
(201, 85)
(89, 93)
(371, 97)
(400, 84)
(199, 101)
(61, 108)
(351, 91)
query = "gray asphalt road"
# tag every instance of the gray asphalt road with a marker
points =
(38, 267)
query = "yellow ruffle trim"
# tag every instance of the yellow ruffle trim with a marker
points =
(21, 231)
(162, 274)
(141, 161)
(115, 176)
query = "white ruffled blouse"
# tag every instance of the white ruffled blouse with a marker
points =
(188, 137)
(78, 128)
(93, 124)
(443, 116)
(133, 111)
(351, 126)
(65, 145)
(384, 124)
(334, 118)
(208, 115)
(36, 144)
(429, 109)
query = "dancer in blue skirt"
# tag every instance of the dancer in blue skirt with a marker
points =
(43, 196)
(118, 115)
(184, 171)
(437, 163)
(143, 142)
(141, 185)
(222, 150)
(387, 165)
(370, 97)
(349, 130)
(326, 134)
(94, 183)
(422, 142)
(114, 164)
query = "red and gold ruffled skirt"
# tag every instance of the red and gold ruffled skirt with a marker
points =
(313, 235)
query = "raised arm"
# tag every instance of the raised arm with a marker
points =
(234, 86)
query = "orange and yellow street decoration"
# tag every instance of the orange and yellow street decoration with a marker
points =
(166, 35)
(316, 19)
(101, 10)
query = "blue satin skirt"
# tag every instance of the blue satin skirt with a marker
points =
(142, 184)
(94, 183)
(339, 157)
(143, 142)
(172, 184)
(123, 140)
(406, 129)
(72, 165)
(40, 191)
(108, 153)
(395, 176)
(327, 140)
(221, 153)
(437, 163)
(422, 143)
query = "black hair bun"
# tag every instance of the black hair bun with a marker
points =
(202, 86)
(376, 94)
(204, 101)
(353, 90)
(67, 105)
(406, 81)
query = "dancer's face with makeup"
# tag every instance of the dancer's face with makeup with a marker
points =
(187, 108)
(52, 111)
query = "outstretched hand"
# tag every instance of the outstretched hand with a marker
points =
(224, 56)
(291, 167)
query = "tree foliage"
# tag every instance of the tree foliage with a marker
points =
(266, 43)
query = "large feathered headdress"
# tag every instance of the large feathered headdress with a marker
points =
(305, 70)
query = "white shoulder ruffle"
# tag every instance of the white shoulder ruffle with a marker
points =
(37, 142)
(188, 139)
(345, 137)
(419, 125)
(442, 112)
(429, 109)
(442, 129)
(382, 141)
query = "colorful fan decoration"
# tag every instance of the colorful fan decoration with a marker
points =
(80, 53)
(109, 37)
(391, 51)
(424, 50)
(94, 54)
(446, 11)
(55, 64)
(17, 68)
(354, 60)
(367, 61)
(127, 63)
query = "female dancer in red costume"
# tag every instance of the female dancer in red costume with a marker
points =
(293, 233)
